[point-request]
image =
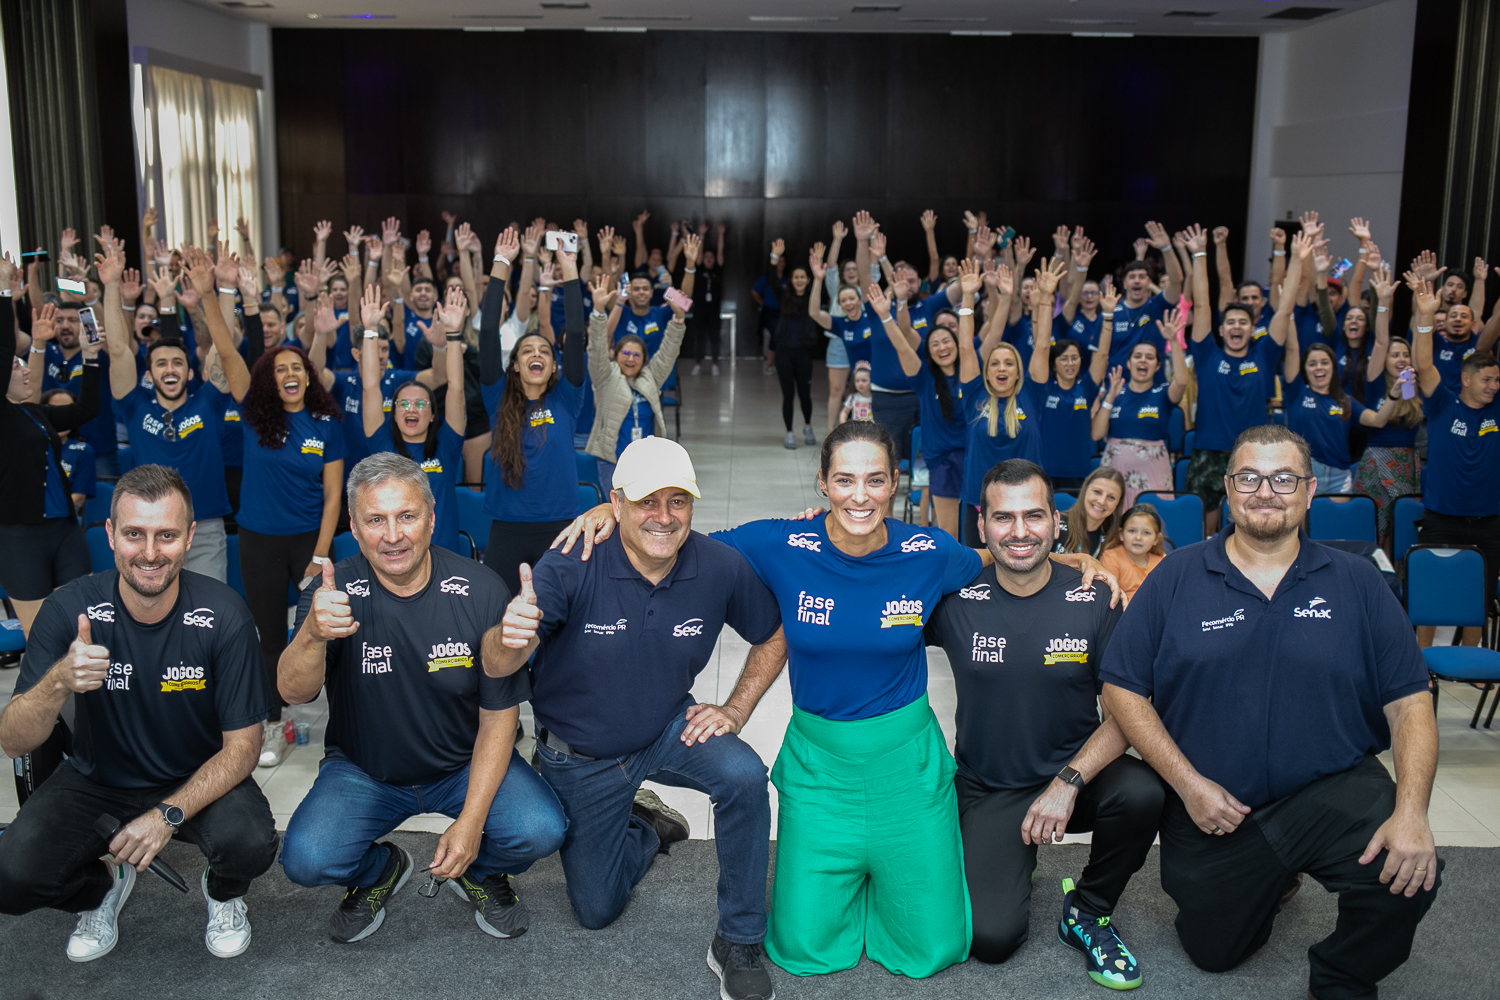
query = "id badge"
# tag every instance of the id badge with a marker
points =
(635, 433)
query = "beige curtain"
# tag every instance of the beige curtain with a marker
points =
(198, 154)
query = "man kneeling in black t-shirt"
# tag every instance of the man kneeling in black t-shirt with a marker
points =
(414, 724)
(170, 696)
(1025, 640)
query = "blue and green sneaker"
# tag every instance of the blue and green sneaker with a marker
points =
(1106, 959)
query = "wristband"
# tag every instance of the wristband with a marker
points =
(321, 560)
(1381, 309)
(595, 312)
(399, 299)
(371, 334)
(1082, 270)
(900, 303)
(775, 257)
(1200, 253)
(38, 350)
(421, 258)
(1363, 251)
(227, 291)
(884, 259)
(973, 230)
(966, 312)
(888, 320)
(1424, 329)
(91, 362)
(690, 270)
(450, 338)
(499, 258)
(129, 309)
(1279, 253)
(530, 258)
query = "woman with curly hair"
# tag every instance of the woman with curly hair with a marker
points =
(289, 499)
(531, 477)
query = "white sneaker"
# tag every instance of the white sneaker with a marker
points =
(697, 369)
(716, 370)
(228, 931)
(98, 930)
(273, 745)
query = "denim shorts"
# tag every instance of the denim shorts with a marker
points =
(837, 357)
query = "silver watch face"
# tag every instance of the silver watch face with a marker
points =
(173, 815)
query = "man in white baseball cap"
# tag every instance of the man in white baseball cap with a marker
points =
(619, 639)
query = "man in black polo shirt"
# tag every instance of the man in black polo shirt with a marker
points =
(621, 638)
(1276, 669)
(414, 725)
(1025, 640)
(163, 666)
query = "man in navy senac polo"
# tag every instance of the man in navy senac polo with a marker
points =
(618, 641)
(1276, 669)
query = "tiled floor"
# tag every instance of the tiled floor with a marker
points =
(731, 426)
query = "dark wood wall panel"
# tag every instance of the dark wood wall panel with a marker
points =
(775, 134)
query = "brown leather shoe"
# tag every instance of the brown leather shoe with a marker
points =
(1286, 897)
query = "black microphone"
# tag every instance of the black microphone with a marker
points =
(107, 826)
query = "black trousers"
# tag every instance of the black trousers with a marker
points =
(234, 476)
(49, 856)
(512, 543)
(1121, 806)
(794, 367)
(897, 412)
(706, 331)
(1228, 888)
(269, 564)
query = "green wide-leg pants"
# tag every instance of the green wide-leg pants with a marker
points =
(868, 852)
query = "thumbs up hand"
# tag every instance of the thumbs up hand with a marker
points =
(330, 617)
(522, 616)
(86, 665)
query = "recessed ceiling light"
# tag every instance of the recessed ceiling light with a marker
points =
(788, 19)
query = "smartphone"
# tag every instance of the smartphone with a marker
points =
(676, 298)
(1340, 269)
(1006, 235)
(559, 240)
(1408, 383)
(35, 257)
(90, 325)
(69, 285)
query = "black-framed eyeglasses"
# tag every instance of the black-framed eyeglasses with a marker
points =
(1281, 482)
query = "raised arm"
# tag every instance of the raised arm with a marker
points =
(1227, 292)
(1099, 422)
(1107, 302)
(1047, 277)
(491, 368)
(1171, 285)
(372, 408)
(110, 264)
(994, 327)
(934, 262)
(200, 271)
(820, 272)
(638, 227)
(1203, 317)
(575, 344)
(1476, 294)
(692, 249)
(1424, 309)
(1083, 254)
(910, 362)
(1384, 288)
(1281, 324)
(450, 315)
(1170, 328)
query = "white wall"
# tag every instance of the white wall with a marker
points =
(197, 33)
(1330, 128)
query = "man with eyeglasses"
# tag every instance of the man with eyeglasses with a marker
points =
(1260, 673)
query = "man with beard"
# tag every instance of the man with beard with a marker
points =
(169, 425)
(165, 672)
(1260, 673)
(64, 370)
(1457, 339)
(1025, 640)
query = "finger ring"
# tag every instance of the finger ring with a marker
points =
(1421, 869)
(1216, 830)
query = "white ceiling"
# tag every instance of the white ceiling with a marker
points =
(1141, 17)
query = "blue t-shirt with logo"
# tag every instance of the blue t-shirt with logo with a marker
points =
(67, 373)
(1137, 324)
(854, 624)
(858, 335)
(942, 437)
(1086, 331)
(231, 439)
(549, 488)
(1232, 391)
(349, 392)
(983, 451)
(652, 327)
(444, 472)
(1141, 416)
(282, 491)
(1392, 435)
(78, 463)
(1067, 428)
(185, 439)
(1463, 456)
(1448, 358)
(414, 338)
(1319, 418)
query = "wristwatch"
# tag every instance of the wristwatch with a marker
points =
(1070, 776)
(171, 815)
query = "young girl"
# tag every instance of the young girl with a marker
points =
(857, 404)
(1135, 547)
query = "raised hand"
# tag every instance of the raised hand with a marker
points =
(971, 221)
(1360, 229)
(929, 220)
(970, 278)
(1171, 325)
(200, 272)
(1116, 381)
(1156, 235)
(353, 235)
(692, 246)
(330, 616)
(863, 225)
(1221, 235)
(148, 219)
(1278, 237)
(424, 243)
(1141, 244)
(307, 280)
(839, 229)
(984, 240)
(640, 220)
(1425, 266)
(350, 266)
(508, 244)
(1424, 300)
(453, 310)
(530, 239)
(1049, 274)
(523, 616)
(325, 320)
(110, 264)
(617, 246)
(1060, 241)
(815, 263)
(390, 230)
(249, 289)
(1381, 281)
(1302, 244)
(1108, 297)
(1005, 282)
(322, 229)
(877, 244)
(1310, 224)
(370, 310)
(1372, 258)
(1320, 258)
(879, 302)
(606, 238)
(42, 329)
(778, 247)
(448, 218)
(1481, 270)
(1024, 252)
(165, 287)
(603, 291)
(395, 278)
(1083, 253)
(226, 268)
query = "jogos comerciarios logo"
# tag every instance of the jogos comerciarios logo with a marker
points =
(449, 654)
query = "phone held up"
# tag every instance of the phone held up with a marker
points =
(676, 298)
(559, 240)
(90, 325)
(35, 257)
(69, 285)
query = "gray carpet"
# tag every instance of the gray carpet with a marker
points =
(656, 949)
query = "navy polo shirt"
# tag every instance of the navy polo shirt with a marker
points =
(1266, 696)
(611, 671)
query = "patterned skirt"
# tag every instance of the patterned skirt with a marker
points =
(1146, 466)
(1383, 474)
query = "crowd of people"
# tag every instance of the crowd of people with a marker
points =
(288, 401)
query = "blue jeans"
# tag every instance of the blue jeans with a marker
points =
(608, 848)
(331, 839)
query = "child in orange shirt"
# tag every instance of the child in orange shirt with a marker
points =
(1135, 547)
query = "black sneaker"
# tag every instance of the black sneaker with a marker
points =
(363, 909)
(742, 974)
(1106, 959)
(498, 911)
(669, 824)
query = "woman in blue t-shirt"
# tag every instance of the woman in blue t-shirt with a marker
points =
(950, 373)
(412, 428)
(1003, 423)
(293, 482)
(1067, 392)
(1389, 467)
(531, 474)
(1318, 408)
(1137, 411)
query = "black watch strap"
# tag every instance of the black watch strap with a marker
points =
(172, 815)
(1069, 775)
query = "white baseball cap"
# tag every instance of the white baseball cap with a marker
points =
(651, 464)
